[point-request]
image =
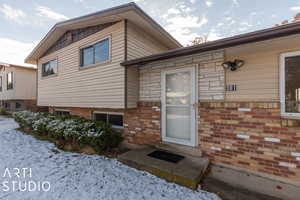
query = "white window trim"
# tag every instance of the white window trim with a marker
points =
(282, 84)
(111, 113)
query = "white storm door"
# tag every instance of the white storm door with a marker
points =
(179, 106)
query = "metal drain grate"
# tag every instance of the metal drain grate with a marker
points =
(166, 156)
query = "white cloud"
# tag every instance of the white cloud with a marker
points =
(247, 24)
(220, 24)
(209, 3)
(273, 16)
(47, 12)
(173, 11)
(193, 1)
(295, 8)
(180, 27)
(214, 35)
(12, 13)
(13, 51)
(181, 21)
(235, 2)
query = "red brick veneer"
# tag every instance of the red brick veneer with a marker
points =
(257, 139)
(142, 125)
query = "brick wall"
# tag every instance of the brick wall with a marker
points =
(85, 112)
(24, 105)
(142, 125)
(251, 136)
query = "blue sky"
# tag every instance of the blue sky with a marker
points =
(24, 22)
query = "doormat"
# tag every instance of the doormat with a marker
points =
(166, 156)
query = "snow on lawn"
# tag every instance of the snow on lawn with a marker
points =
(75, 176)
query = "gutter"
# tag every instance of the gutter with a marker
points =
(256, 36)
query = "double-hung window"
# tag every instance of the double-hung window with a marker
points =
(290, 84)
(97, 53)
(9, 81)
(49, 68)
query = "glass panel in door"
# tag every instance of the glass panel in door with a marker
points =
(178, 105)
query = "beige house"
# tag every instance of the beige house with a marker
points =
(17, 87)
(79, 60)
(235, 100)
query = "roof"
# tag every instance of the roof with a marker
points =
(128, 11)
(18, 66)
(256, 36)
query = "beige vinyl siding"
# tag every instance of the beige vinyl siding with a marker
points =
(140, 43)
(25, 84)
(258, 79)
(101, 86)
(132, 87)
(24, 87)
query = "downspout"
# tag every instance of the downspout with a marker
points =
(125, 58)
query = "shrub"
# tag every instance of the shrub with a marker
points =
(70, 128)
(3, 111)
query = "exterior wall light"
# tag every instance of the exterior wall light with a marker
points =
(233, 65)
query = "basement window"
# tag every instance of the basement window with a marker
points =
(62, 112)
(7, 105)
(18, 105)
(290, 84)
(115, 119)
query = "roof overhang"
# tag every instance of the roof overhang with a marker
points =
(18, 66)
(257, 36)
(128, 11)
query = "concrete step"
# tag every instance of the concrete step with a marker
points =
(192, 151)
(187, 172)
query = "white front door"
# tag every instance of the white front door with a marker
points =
(179, 106)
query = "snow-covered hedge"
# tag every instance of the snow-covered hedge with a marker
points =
(70, 128)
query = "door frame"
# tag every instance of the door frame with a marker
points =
(194, 107)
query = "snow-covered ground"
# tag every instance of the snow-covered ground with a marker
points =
(73, 176)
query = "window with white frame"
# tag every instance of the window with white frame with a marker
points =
(290, 84)
(115, 119)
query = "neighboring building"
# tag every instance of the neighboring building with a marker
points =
(79, 69)
(246, 121)
(17, 87)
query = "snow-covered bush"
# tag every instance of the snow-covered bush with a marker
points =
(70, 128)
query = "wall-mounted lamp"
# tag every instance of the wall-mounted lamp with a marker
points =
(233, 65)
